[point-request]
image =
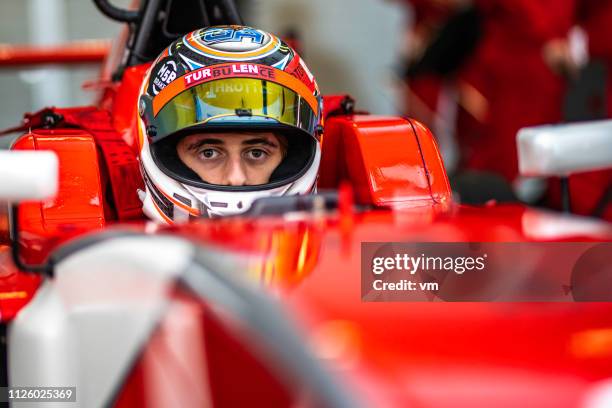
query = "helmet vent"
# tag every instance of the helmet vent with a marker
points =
(151, 131)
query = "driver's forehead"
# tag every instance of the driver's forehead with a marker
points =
(229, 138)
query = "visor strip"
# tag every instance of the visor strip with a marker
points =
(234, 70)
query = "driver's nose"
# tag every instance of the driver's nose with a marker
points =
(236, 175)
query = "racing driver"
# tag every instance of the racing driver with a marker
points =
(227, 114)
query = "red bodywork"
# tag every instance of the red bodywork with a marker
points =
(75, 53)
(392, 354)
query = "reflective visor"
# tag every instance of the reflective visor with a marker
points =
(235, 101)
(232, 94)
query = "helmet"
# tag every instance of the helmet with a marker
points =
(225, 79)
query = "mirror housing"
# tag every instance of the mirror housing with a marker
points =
(28, 175)
(561, 150)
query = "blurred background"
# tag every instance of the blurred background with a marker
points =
(48, 22)
(351, 47)
(477, 71)
(474, 71)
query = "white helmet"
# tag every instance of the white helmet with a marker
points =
(217, 79)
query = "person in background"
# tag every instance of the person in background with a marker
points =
(590, 192)
(503, 63)
(517, 73)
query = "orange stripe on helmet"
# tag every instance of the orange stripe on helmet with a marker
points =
(234, 70)
(140, 138)
(167, 94)
(178, 203)
(164, 216)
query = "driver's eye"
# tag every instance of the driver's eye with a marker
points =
(256, 154)
(209, 153)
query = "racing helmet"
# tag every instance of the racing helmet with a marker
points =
(225, 79)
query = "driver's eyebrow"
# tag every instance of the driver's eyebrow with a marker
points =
(197, 144)
(259, 140)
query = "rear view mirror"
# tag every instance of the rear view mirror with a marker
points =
(28, 175)
(561, 150)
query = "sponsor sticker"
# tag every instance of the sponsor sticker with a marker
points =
(166, 71)
(229, 70)
(302, 73)
(232, 39)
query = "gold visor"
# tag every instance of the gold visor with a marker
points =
(234, 101)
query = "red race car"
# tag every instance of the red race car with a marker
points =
(295, 301)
